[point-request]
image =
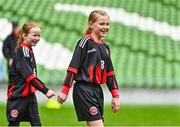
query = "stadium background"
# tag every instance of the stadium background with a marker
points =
(144, 38)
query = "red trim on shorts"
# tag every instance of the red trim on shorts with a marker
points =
(72, 69)
(65, 89)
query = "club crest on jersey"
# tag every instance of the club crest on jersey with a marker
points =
(91, 50)
(93, 110)
(14, 113)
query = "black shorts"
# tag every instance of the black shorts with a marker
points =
(23, 109)
(88, 101)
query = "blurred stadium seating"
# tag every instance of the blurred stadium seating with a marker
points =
(142, 58)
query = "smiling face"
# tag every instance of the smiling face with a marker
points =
(100, 27)
(33, 36)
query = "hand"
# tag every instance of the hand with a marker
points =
(62, 97)
(50, 94)
(115, 104)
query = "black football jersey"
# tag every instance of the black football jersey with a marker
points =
(91, 62)
(22, 71)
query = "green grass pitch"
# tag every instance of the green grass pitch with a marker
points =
(129, 115)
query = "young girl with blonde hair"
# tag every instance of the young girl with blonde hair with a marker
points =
(91, 66)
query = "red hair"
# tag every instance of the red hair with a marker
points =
(25, 30)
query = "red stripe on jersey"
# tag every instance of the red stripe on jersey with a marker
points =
(29, 78)
(115, 92)
(71, 80)
(65, 89)
(90, 72)
(39, 83)
(33, 89)
(26, 90)
(10, 90)
(72, 69)
(104, 77)
(98, 74)
(110, 73)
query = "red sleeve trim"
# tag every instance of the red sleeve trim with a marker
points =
(110, 73)
(115, 92)
(72, 69)
(29, 78)
(39, 83)
(65, 89)
(71, 81)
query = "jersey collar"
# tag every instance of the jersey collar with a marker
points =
(98, 42)
(27, 46)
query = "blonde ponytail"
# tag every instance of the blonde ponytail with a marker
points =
(93, 16)
(87, 30)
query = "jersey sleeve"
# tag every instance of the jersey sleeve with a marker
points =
(75, 64)
(111, 79)
(23, 64)
(78, 55)
(38, 84)
(25, 69)
(67, 82)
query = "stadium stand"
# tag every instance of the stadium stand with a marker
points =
(142, 58)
